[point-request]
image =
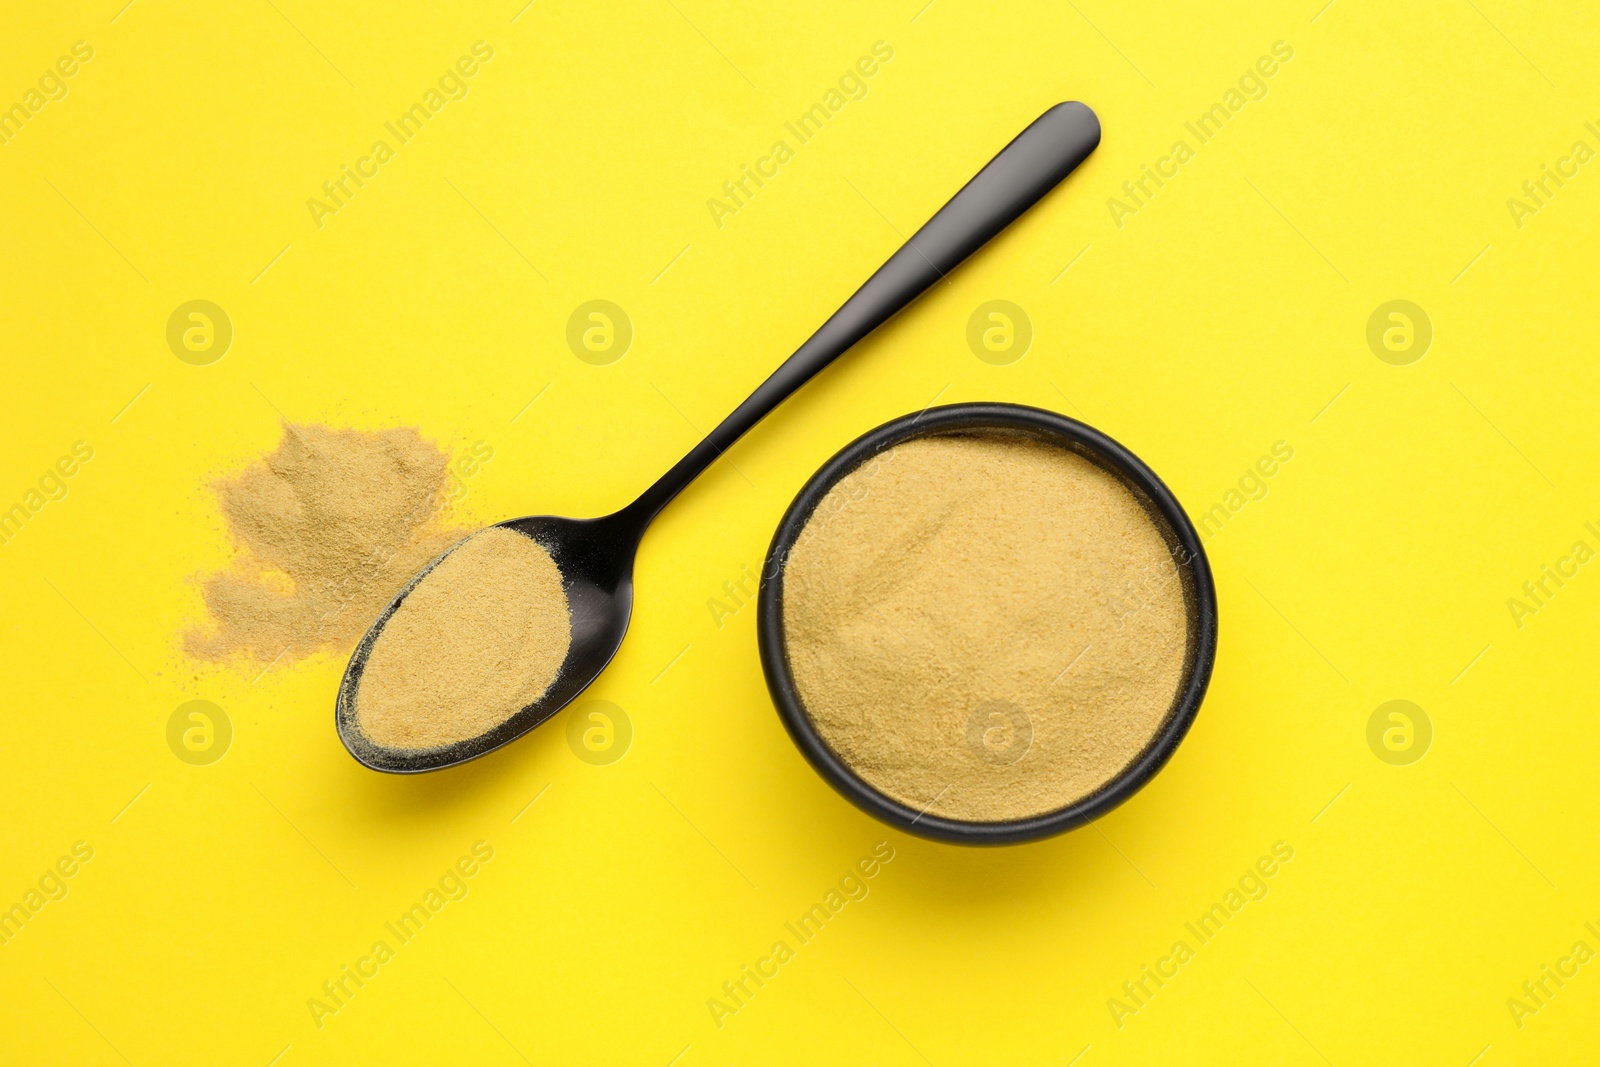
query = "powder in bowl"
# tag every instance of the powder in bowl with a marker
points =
(985, 627)
(480, 637)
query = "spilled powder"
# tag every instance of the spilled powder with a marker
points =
(480, 637)
(330, 527)
(984, 627)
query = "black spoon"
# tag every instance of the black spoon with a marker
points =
(596, 555)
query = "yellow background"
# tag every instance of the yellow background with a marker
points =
(1222, 318)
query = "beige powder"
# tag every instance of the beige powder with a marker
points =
(330, 526)
(984, 627)
(480, 637)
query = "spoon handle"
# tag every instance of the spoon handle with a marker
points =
(1013, 181)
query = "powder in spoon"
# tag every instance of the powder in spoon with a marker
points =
(986, 628)
(480, 637)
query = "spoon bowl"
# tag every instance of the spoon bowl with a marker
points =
(595, 556)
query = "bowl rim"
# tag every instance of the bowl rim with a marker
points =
(1183, 540)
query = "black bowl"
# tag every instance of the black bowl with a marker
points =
(1190, 559)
